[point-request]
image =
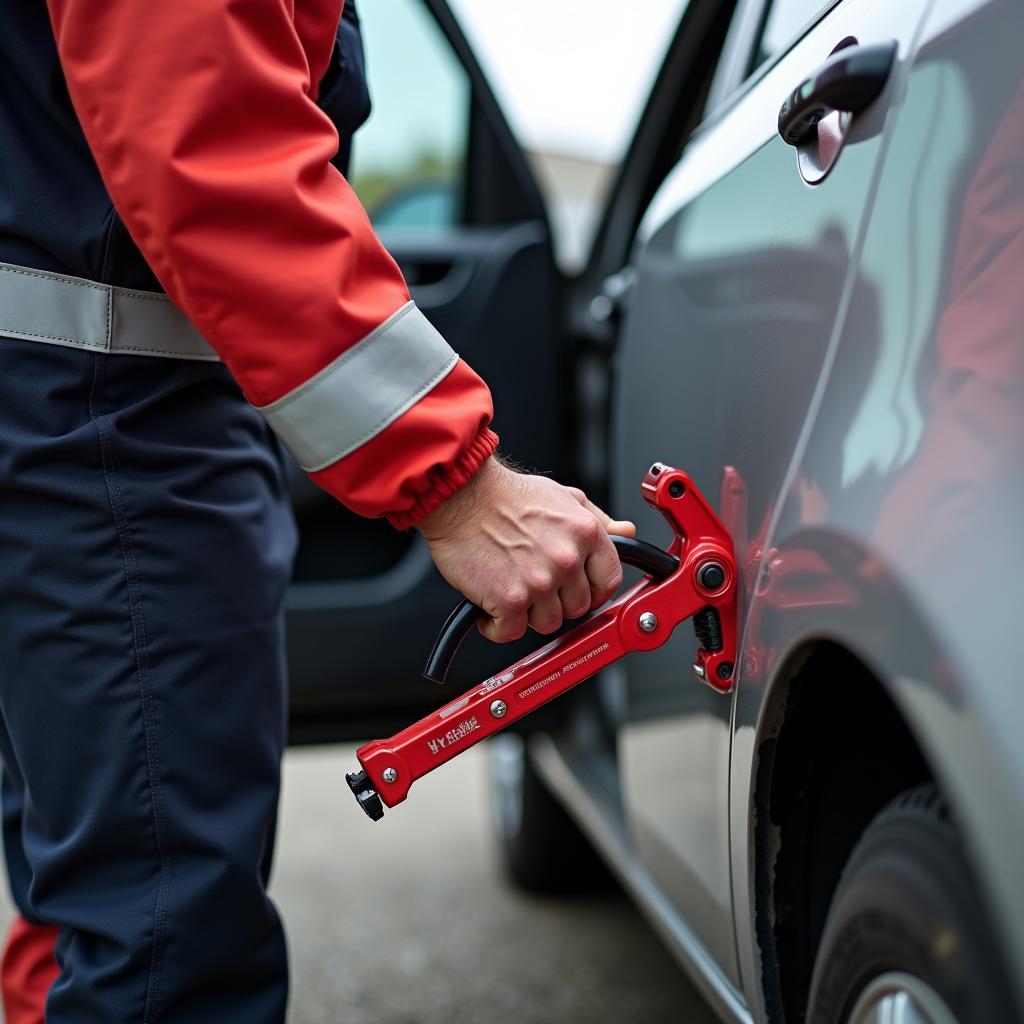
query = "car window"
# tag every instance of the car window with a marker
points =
(784, 23)
(408, 160)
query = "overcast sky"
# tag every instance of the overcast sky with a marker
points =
(572, 74)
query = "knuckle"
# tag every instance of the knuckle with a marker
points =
(588, 529)
(566, 560)
(541, 581)
(514, 600)
(509, 597)
(502, 631)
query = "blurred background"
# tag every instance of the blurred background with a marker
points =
(571, 86)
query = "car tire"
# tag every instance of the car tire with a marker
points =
(541, 848)
(906, 932)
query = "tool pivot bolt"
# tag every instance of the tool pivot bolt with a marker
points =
(724, 670)
(499, 708)
(389, 775)
(648, 622)
(711, 576)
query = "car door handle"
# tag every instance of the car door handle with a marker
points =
(850, 80)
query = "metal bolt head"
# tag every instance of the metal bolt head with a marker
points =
(389, 775)
(724, 670)
(499, 708)
(711, 576)
(648, 622)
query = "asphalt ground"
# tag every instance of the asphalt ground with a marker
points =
(410, 921)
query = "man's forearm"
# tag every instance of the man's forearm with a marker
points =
(201, 115)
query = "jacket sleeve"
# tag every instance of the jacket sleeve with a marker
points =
(202, 118)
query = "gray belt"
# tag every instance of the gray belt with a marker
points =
(60, 310)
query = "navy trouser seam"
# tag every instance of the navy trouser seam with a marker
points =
(133, 584)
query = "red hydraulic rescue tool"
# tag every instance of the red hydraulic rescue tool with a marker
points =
(695, 577)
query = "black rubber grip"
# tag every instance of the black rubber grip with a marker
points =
(641, 555)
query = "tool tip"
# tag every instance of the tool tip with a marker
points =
(366, 796)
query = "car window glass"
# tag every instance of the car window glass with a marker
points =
(783, 25)
(408, 160)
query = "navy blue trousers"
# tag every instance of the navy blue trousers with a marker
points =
(145, 545)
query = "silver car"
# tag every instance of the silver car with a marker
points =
(807, 291)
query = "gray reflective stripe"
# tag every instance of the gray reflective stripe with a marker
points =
(61, 310)
(362, 391)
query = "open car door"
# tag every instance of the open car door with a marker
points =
(454, 201)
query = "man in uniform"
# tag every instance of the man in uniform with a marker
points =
(173, 236)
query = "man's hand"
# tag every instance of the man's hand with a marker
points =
(525, 549)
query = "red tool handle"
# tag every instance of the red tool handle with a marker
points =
(652, 560)
(695, 577)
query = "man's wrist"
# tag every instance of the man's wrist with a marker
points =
(451, 511)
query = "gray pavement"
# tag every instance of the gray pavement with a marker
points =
(408, 920)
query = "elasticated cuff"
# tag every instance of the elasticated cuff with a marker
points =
(444, 486)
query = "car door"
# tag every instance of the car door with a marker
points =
(454, 201)
(742, 270)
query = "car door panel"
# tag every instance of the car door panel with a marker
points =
(740, 279)
(495, 304)
(915, 455)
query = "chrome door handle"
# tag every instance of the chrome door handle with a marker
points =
(850, 80)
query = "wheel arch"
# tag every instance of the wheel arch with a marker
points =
(814, 791)
(835, 610)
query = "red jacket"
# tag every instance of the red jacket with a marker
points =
(201, 117)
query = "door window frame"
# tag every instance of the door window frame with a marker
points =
(737, 72)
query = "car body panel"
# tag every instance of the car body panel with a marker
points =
(914, 459)
(572, 779)
(739, 284)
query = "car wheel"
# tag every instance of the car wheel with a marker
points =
(906, 939)
(541, 847)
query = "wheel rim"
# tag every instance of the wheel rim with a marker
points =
(898, 998)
